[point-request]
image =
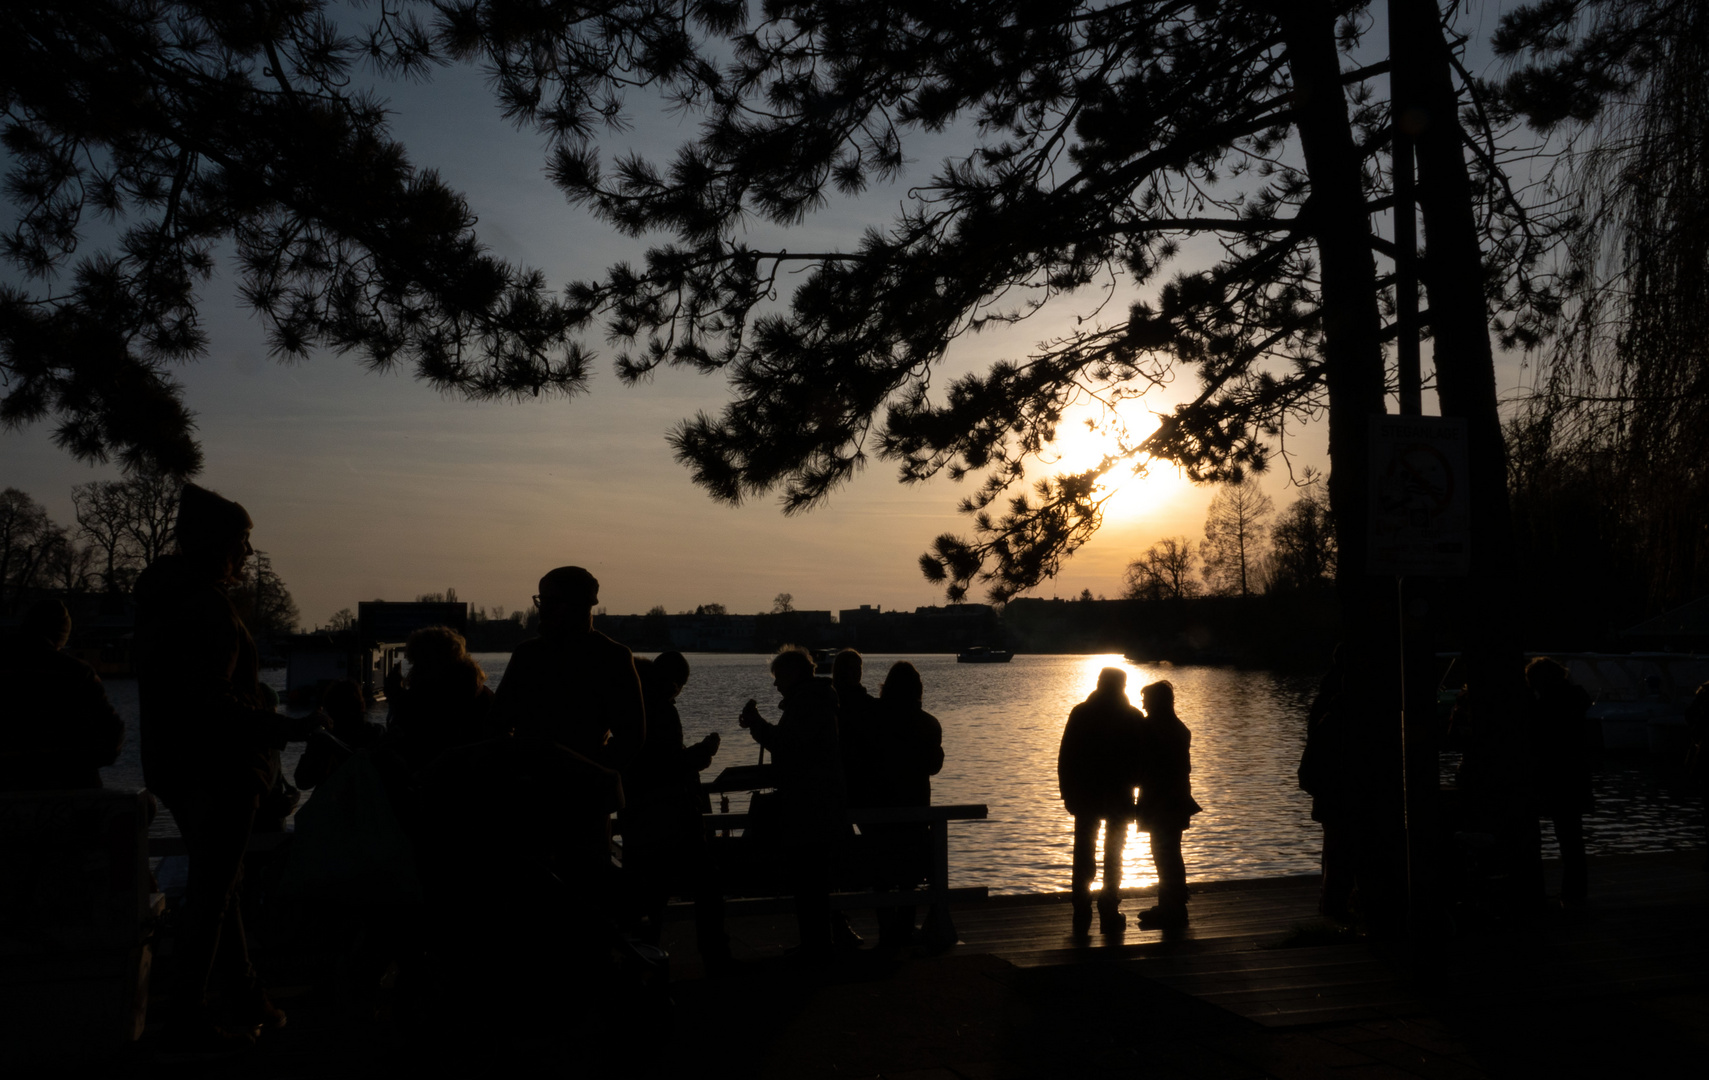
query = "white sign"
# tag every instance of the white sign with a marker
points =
(1420, 509)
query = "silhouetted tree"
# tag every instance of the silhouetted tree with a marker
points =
(1302, 542)
(152, 498)
(342, 619)
(1235, 526)
(129, 522)
(102, 519)
(28, 539)
(1612, 461)
(234, 127)
(1097, 136)
(1164, 572)
(783, 603)
(263, 600)
(70, 567)
(710, 609)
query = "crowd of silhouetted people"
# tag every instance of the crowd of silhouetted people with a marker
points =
(1525, 742)
(581, 741)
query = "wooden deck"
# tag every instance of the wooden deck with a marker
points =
(1258, 985)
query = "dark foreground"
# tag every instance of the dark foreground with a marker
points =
(1257, 987)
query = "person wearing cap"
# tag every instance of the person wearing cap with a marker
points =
(207, 742)
(60, 729)
(573, 686)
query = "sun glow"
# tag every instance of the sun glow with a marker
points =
(1090, 432)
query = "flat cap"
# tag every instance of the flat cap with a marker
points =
(571, 584)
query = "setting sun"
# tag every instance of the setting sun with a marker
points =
(1090, 432)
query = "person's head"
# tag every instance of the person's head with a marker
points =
(1112, 680)
(47, 620)
(846, 669)
(1544, 673)
(438, 655)
(213, 532)
(791, 666)
(343, 701)
(672, 667)
(902, 685)
(566, 599)
(1159, 697)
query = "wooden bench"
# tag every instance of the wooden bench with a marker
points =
(937, 895)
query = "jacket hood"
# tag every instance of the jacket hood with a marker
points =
(818, 691)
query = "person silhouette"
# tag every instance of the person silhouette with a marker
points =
(1564, 793)
(857, 739)
(573, 699)
(908, 752)
(664, 840)
(810, 789)
(1096, 770)
(572, 686)
(1327, 772)
(346, 730)
(443, 702)
(857, 721)
(207, 753)
(1166, 804)
(60, 728)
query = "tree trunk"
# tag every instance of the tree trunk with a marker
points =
(1353, 356)
(1453, 276)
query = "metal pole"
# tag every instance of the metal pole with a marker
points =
(1406, 119)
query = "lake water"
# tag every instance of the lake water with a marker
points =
(1002, 724)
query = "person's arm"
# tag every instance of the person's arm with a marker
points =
(628, 716)
(931, 744)
(209, 637)
(699, 756)
(807, 733)
(766, 733)
(1068, 765)
(510, 700)
(100, 733)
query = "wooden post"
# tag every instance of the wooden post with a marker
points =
(939, 930)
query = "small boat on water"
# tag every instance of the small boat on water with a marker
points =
(981, 654)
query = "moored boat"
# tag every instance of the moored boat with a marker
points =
(981, 654)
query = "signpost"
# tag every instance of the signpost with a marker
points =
(1419, 505)
(1420, 525)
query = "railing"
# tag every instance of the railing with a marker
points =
(937, 895)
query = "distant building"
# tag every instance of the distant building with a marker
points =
(950, 628)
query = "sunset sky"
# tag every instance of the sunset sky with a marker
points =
(366, 486)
